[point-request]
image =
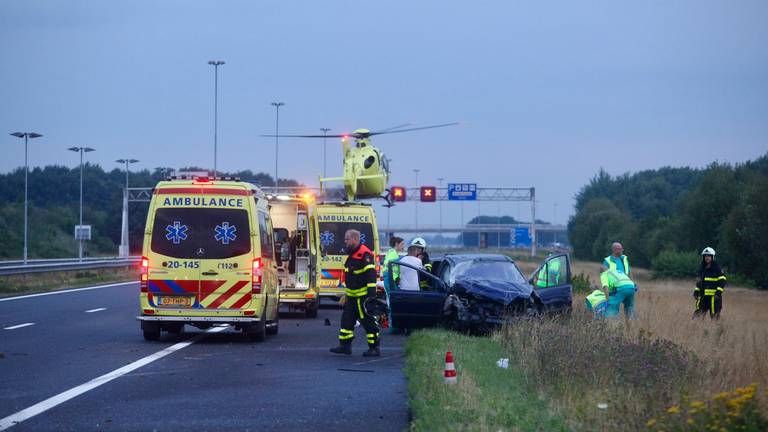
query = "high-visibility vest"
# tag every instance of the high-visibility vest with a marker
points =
(595, 300)
(611, 264)
(391, 256)
(616, 280)
(549, 275)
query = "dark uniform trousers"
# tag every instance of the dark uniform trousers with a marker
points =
(360, 279)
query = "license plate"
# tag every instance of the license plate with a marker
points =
(174, 301)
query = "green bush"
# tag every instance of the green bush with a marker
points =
(676, 264)
(581, 284)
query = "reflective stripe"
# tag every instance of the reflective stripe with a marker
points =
(709, 292)
(360, 308)
(696, 289)
(359, 292)
(714, 279)
(371, 285)
(345, 337)
(364, 269)
(712, 311)
(720, 289)
(346, 331)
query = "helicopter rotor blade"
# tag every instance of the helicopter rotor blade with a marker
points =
(413, 129)
(395, 127)
(307, 136)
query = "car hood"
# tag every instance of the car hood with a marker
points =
(494, 290)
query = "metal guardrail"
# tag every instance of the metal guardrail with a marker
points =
(8, 268)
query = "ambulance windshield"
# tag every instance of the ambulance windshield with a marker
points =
(332, 235)
(201, 233)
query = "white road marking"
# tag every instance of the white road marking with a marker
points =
(18, 326)
(66, 291)
(60, 398)
(95, 310)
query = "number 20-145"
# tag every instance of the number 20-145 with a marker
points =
(184, 264)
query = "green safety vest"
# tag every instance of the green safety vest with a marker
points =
(392, 255)
(549, 275)
(616, 280)
(596, 299)
(611, 264)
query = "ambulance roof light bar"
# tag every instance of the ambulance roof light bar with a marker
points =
(202, 179)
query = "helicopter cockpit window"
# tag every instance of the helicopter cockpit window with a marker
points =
(369, 162)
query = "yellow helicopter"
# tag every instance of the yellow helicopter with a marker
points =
(366, 169)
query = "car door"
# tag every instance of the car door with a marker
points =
(413, 309)
(552, 282)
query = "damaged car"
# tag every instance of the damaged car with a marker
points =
(478, 292)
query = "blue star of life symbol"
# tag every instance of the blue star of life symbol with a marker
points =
(176, 232)
(362, 238)
(326, 238)
(225, 233)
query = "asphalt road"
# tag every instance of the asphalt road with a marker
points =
(214, 381)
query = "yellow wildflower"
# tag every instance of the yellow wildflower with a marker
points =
(721, 395)
(651, 422)
(674, 409)
(689, 421)
(697, 404)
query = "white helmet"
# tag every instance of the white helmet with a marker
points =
(420, 242)
(708, 251)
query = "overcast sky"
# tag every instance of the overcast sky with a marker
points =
(547, 92)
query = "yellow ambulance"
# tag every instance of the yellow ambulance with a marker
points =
(296, 255)
(208, 258)
(330, 221)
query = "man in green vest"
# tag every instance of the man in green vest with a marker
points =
(619, 289)
(596, 303)
(549, 275)
(617, 260)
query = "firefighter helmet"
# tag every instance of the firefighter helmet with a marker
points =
(708, 251)
(420, 242)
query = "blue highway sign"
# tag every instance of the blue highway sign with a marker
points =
(462, 191)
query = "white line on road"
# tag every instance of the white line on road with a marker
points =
(18, 326)
(60, 398)
(95, 310)
(65, 291)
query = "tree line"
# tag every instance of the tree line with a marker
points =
(665, 217)
(54, 194)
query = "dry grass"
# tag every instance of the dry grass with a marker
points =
(735, 348)
(53, 281)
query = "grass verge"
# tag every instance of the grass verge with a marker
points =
(486, 397)
(54, 281)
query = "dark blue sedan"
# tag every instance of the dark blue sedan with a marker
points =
(480, 291)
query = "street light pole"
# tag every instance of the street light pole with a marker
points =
(325, 132)
(81, 150)
(26, 136)
(277, 106)
(124, 249)
(440, 183)
(416, 204)
(215, 64)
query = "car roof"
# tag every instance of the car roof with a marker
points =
(476, 256)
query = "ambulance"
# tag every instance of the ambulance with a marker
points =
(330, 221)
(208, 259)
(296, 257)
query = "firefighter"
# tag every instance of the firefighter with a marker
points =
(425, 261)
(619, 289)
(709, 287)
(360, 279)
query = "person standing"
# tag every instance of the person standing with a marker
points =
(617, 260)
(397, 249)
(360, 279)
(409, 278)
(619, 289)
(710, 286)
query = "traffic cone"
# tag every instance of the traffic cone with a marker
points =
(450, 369)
